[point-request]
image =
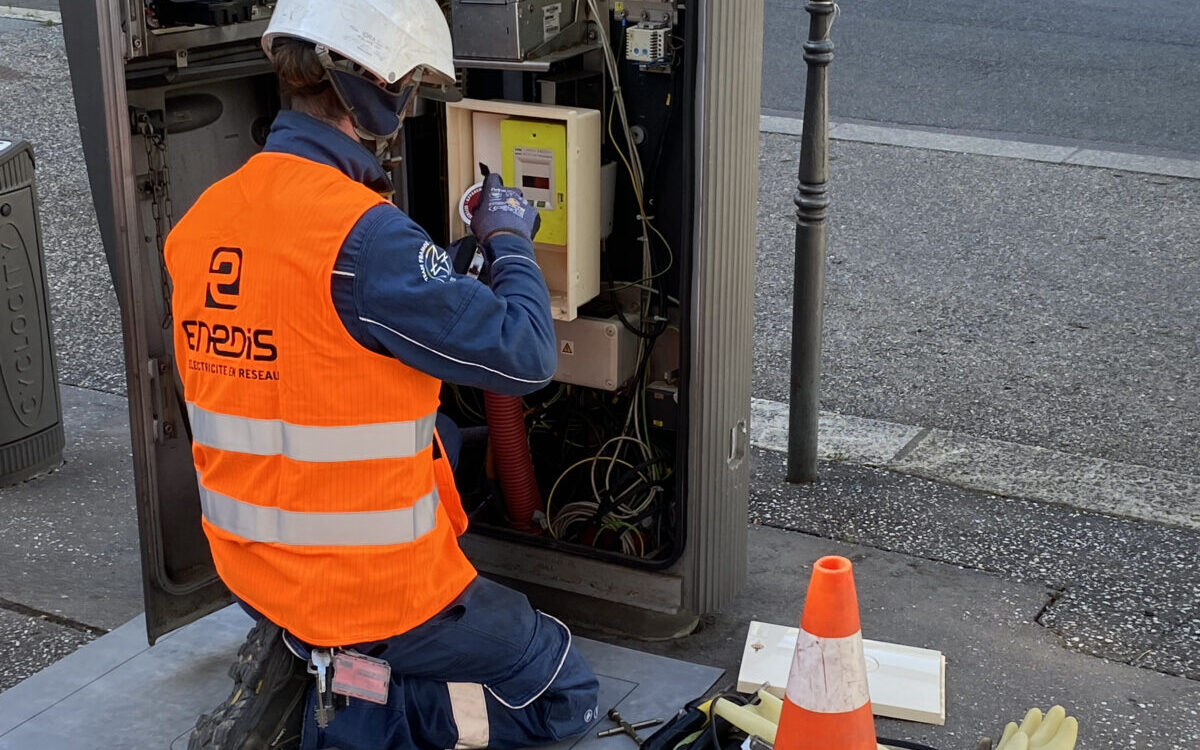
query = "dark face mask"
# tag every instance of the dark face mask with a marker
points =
(377, 113)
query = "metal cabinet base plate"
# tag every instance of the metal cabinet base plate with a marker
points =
(117, 693)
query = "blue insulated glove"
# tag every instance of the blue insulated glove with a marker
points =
(503, 209)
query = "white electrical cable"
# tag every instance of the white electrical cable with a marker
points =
(614, 74)
(646, 455)
(632, 540)
(634, 161)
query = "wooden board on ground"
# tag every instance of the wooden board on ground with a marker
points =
(905, 682)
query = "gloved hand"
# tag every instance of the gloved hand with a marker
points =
(503, 209)
(1056, 731)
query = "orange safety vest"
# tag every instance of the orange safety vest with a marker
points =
(323, 504)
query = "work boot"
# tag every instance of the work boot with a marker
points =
(266, 708)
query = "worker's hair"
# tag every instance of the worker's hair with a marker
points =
(302, 79)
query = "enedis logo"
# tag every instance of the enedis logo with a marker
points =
(231, 342)
(225, 340)
(225, 279)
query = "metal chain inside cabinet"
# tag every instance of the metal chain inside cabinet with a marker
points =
(158, 186)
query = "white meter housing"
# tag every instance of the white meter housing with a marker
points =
(551, 153)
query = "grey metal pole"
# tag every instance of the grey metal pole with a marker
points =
(812, 204)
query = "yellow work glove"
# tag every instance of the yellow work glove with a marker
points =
(1054, 731)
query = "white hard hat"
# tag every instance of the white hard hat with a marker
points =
(388, 38)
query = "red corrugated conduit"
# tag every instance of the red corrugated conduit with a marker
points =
(514, 465)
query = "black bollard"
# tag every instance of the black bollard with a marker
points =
(812, 205)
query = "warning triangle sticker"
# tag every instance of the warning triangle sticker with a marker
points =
(568, 349)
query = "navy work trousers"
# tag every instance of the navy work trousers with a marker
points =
(488, 671)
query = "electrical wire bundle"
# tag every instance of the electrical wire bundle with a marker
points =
(625, 493)
(627, 500)
(614, 493)
(631, 159)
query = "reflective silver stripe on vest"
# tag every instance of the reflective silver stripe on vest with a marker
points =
(274, 437)
(274, 526)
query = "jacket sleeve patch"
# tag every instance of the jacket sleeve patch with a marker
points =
(435, 264)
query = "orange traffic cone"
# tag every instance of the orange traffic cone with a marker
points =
(827, 706)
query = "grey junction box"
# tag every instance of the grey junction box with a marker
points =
(595, 352)
(508, 29)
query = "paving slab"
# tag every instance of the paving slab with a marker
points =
(966, 144)
(1136, 162)
(1095, 484)
(992, 145)
(15, 22)
(45, 6)
(843, 437)
(71, 546)
(119, 693)
(994, 466)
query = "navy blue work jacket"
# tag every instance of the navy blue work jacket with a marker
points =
(398, 294)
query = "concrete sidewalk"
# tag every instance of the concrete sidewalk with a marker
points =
(1031, 603)
(119, 693)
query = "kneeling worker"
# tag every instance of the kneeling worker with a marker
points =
(314, 323)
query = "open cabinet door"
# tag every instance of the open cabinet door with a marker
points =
(156, 132)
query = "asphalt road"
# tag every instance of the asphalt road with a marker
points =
(1102, 71)
(1108, 72)
(1045, 305)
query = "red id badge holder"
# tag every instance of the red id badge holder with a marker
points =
(362, 677)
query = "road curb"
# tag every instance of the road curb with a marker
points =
(30, 14)
(997, 467)
(979, 146)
